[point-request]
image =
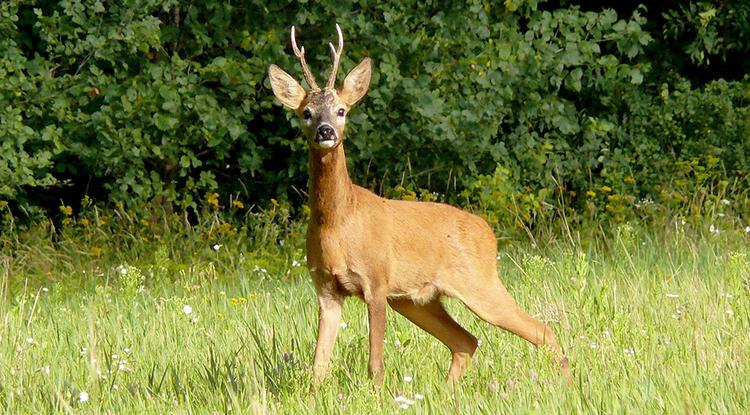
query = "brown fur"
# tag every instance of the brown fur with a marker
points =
(402, 253)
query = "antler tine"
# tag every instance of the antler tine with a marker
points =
(300, 54)
(336, 58)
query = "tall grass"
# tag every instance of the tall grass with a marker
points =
(204, 320)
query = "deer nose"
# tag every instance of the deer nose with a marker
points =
(325, 132)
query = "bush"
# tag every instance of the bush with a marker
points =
(167, 101)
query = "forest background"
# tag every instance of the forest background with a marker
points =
(525, 111)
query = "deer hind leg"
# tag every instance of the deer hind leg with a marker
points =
(493, 304)
(434, 319)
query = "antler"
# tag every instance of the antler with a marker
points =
(300, 53)
(336, 58)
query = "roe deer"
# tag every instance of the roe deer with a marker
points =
(404, 253)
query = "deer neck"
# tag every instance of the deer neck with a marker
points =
(330, 186)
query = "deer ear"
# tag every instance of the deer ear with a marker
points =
(286, 88)
(356, 83)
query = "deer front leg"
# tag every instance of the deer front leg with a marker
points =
(376, 317)
(328, 325)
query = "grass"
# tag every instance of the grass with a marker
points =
(650, 323)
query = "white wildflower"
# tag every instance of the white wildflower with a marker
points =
(644, 202)
(30, 340)
(725, 202)
(408, 378)
(187, 309)
(343, 325)
(296, 263)
(629, 351)
(216, 247)
(400, 399)
(713, 229)
(45, 289)
(123, 366)
(83, 396)
(418, 396)
(747, 229)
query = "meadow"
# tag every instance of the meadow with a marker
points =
(606, 143)
(212, 322)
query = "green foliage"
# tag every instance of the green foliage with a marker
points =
(503, 206)
(708, 29)
(166, 101)
(29, 139)
(666, 162)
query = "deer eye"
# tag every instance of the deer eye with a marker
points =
(306, 114)
(341, 112)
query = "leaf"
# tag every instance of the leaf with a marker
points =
(165, 122)
(636, 77)
(235, 130)
(573, 80)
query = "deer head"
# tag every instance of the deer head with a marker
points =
(323, 110)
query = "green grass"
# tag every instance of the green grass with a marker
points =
(650, 325)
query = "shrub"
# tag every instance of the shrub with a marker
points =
(166, 101)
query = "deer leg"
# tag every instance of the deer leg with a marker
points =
(434, 319)
(376, 319)
(328, 325)
(494, 305)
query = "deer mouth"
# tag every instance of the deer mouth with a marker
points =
(325, 142)
(326, 137)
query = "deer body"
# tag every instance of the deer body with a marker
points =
(405, 254)
(410, 249)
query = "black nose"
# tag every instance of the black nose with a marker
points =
(325, 132)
